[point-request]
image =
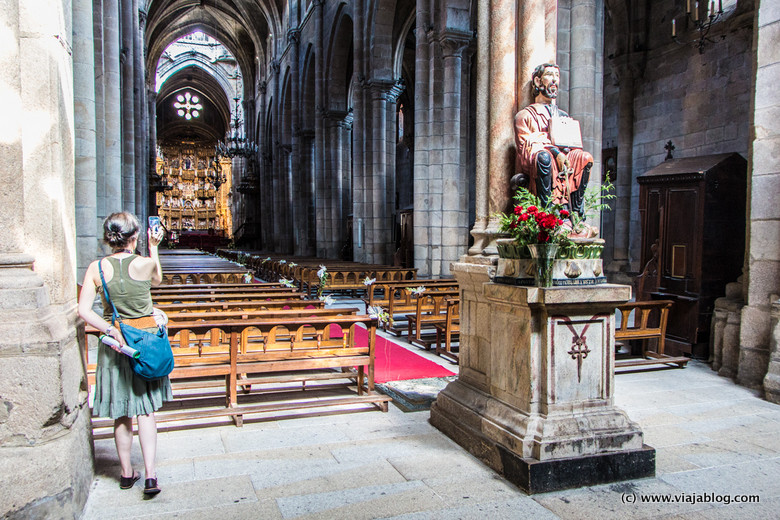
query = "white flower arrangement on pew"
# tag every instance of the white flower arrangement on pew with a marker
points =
(381, 315)
(293, 264)
(286, 282)
(328, 300)
(282, 262)
(322, 274)
(369, 281)
(248, 277)
(267, 259)
(416, 291)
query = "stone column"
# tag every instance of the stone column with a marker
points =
(507, 52)
(585, 77)
(482, 176)
(85, 133)
(729, 351)
(100, 122)
(763, 243)
(324, 186)
(422, 138)
(265, 201)
(359, 157)
(151, 119)
(279, 156)
(127, 82)
(44, 422)
(344, 174)
(299, 186)
(140, 133)
(112, 101)
(380, 179)
(454, 187)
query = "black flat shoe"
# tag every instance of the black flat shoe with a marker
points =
(128, 482)
(150, 487)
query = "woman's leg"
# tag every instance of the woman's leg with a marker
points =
(147, 434)
(123, 437)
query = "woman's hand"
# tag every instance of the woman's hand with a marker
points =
(116, 334)
(155, 238)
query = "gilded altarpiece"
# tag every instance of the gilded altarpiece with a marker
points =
(195, 190)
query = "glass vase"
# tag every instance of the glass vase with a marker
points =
(544, 254)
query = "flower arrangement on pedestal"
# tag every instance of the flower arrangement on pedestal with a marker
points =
(537, 229)
(540, 228)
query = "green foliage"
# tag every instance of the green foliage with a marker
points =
(595, 202)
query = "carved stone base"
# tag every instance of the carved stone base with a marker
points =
(497, 435)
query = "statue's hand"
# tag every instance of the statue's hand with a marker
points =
(563, 162)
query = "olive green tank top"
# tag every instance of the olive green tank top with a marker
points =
(132, 298)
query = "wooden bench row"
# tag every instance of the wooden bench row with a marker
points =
(649, 323)
(342, 276)
(240, 353)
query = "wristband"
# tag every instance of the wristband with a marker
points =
(108, 330)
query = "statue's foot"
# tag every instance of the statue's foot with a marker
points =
(582, 231)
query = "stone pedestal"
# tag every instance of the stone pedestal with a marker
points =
(534, 399)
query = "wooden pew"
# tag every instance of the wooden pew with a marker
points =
(228, 291)
(399, 298)
(207, 287)
(264, 304)
(269, 351)
(646, 315)
(280, 314)
(431, 309)
(234, 297)
(448, 331)
(351, 278)
(177, 278)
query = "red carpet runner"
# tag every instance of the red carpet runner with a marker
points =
(394, 363)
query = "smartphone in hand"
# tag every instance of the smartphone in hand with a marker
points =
(154, 224)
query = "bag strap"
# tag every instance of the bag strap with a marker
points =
(115, 316)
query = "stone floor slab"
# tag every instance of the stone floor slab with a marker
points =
(107, 501)
(361, 502)
(512, 509)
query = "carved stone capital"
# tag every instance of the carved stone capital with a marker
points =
(275, 66)
(262, 86)
(454, 42)
(348, 120)
(294, 35)
(387, 90)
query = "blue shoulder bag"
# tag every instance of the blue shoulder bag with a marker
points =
(155, 359)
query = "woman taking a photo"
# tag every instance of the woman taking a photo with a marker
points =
(119, 393)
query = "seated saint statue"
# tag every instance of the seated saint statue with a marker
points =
(550, 172)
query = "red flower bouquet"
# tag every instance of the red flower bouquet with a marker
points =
(532, 223)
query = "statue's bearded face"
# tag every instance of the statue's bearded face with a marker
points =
(548, 82)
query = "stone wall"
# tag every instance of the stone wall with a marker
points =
(701, 102)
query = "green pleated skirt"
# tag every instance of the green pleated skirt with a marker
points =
(119, 392)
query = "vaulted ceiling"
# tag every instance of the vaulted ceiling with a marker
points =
(245, 27)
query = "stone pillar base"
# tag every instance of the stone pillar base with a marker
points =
(496, 434)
